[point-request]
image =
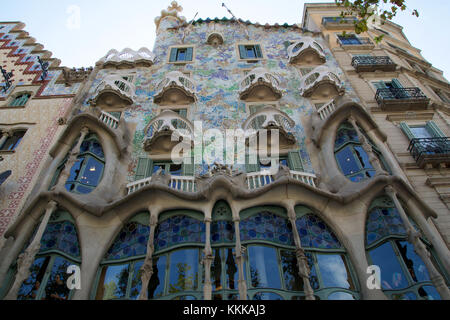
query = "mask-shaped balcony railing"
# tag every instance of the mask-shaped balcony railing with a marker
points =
(109, 120)
(262, 178)
(117, 85)
(176, 80)
(318, 76)
(326, 110)
(430, 151)
(166, 123)
(371, 63)
(181, 183)
(307, 44)
(338, 22)
(401, 98)
(127, 56)
(259, 77)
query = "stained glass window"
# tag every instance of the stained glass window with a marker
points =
(222, 232)
(314, 233)
(61, 236)
(131, 242)
(383, 222)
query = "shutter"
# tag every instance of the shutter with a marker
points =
(173, 55)
(434, 130)
(188, 168)
(189, 53)
(406, 130)
(250, 167)
(242, 52)
(258, 51)
(396, 84)
(295, 161)
(144, 169)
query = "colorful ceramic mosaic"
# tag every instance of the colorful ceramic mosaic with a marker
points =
(178, 230)
(61, 236)
(131, 241)
(222, 232)
(267, 226)
(314, 233)
(383, 222)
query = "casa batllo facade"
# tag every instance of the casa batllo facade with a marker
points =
(362, 176)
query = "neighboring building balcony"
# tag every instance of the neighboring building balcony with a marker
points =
(272, 118)
(128, 57)
(113, 90)
(260, 179)
(180, 183)
(321, 82)
(175, 88)
(401, 98)
(159, 131)
(335, 23)
(353, 42)
(307, 50)
(430, 151)
(260, 84)
(371, 63)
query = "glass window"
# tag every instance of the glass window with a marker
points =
(114, 282)
(264, 272)
(420, 132)
(341, 296)
(334, 271)
(157, 282)
(184, 271)
(20, 100)
(13, 141)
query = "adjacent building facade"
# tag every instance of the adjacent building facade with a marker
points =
(357, 130)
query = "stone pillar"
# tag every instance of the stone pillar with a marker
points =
(207, 261)
(65, 173)
(26, 259)
(419, 247)
(373, 159)
(5, 136)
(302, 260)
(147, 267)
(240, 256)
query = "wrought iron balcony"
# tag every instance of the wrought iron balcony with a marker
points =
(179, 83)
(300, 49)
(371, 63)
(401, 98)
(166, 123)
(257, 78)
(114, 85)
(317, 77)
(430, 151)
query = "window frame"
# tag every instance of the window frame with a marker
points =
(248, 44)
(181, 47)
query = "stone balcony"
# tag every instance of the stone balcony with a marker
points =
(260, 85)
(109, 120)
(270, 118)
(181, 183)
(401, 99)
(306, 51)
(175, 88)
(113, 90)
(159, 131)
(128, 58)
(429, 152)
(321, 83)
(372, 63)
(337, 23)
(260, 179)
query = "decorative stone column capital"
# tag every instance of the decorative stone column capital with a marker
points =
(153, 220)
(51, 206)
(291, 213)
(390, 191)
(84, 131)
(208, 220)
(236, 219)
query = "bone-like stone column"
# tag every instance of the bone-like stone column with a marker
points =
(207, 261)
(240, 254)
(5, 136)
(26, 259)
(65, 173)
(373, 159)
(147, 267)
(302, 260)
(419, 247)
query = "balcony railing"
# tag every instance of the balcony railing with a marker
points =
(297, 49)
(405, 98)
(269, 116)
(355, 41)
(260, 179)
(117, 85)
(168, 120)
(176, 79)
(109, 120)
(318, 76)
(181, 183)
(338, 22)
(256, 77)
(327, 109)
(430, 150)
(371, 63)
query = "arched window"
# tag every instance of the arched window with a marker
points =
(20, 100)
(404, 275)
(12, 142)
(86, 173)
(119, 273)
(177, 268)
(352, 159)
(331, 274)
(224, 270)
(59, 250)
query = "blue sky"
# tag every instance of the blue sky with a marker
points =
(107, 24)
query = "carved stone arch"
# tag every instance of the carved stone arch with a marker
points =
(222, 211)
(215, 39)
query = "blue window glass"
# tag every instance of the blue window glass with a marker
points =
(334, 271)
(347, 161)
(131, 241)
(31, 286)
(429, 293)
(61, 236)
(156, 285)
(341, 296)
(184, 271)
(383, 222)
(56, 288)
(314, 233)
(264, 272)
(115, 282)
(413, 262)
(267, 296)
(222, 232)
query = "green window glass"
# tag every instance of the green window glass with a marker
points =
(20, 100)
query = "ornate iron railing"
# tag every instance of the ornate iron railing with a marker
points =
(371, 61)
(400, 94)
(439, 147)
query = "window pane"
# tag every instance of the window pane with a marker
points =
(136, 283)
(267, 296)
(347, 162)
(181, 55)
(250, 52)
(363, 157)
(429, 293)
(75, 170)
(334, 271)
(292, 279)
(92, 172)
(30, 287)
(56, 288)
(216, 271)
(420, 132)
(404, 296)
(115, 281)
(392, 276)
(185, 298)
(264, 267)
(231, 270)
(183, 270)
(341, 296)
(415, 265)
(157, 282)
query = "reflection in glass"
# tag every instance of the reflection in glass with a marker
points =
(30, 287)
(292, 279)
(341, 296)
(264, 272)
(114, 282)
(56, 288)
(136, 281)
(404, 296)
(392, 276)
(334, 271)
(216, 271)
(184, 271)
(231, 270)
(156, 285)
(429, 293)
(415, 265)
(267, 296)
